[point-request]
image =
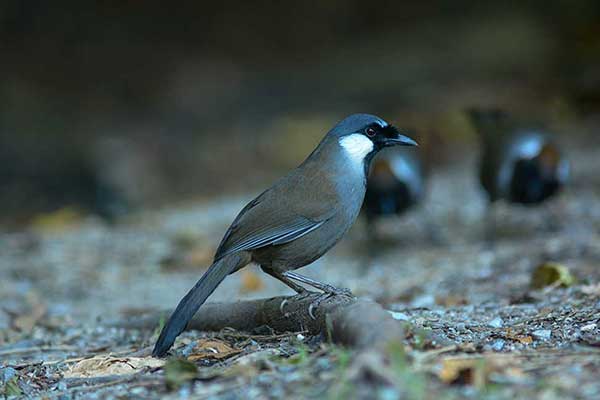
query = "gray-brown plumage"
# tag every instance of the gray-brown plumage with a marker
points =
(298, 219)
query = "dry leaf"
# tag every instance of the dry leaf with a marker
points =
(470, 371)
(251, 282)
(212, 349)
(551, 274)
(107, 365)
(524, 339)
(476, 371)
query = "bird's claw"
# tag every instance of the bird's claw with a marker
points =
(282, 305)
(300, 296)
(317, 302)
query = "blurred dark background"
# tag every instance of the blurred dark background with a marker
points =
(113, 106)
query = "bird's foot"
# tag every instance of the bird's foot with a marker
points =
(314, 305)
(298, 297)
(328, 292)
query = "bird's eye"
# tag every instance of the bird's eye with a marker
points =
(370, 132)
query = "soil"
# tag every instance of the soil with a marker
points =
(65, 283)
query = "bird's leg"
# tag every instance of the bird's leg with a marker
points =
(329, 289)
(490, 227)
(286, 280)
(302, 291)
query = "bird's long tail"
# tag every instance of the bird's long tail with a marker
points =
(192, 301)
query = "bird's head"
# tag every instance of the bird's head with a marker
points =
(363, 135)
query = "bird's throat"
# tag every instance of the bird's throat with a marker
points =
(357, 148)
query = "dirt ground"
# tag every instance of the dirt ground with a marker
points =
(67, 282)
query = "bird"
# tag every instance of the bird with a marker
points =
(298, 219)
(520, 161)
(396, 183)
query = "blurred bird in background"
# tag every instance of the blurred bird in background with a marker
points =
(397, 184)
(519, 161)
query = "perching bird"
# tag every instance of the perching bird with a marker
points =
(298, 219)
(519, 161)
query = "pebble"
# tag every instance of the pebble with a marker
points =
(542, 334)
(423, 301)
(589, 327)
(496, 323)
(498, 345)
(399, 316)
(460, 327)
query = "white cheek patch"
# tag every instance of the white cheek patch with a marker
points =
(357, 147)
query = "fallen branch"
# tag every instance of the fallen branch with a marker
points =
(345, 320)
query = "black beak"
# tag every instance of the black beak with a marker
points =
(395, 138)
(401, 140)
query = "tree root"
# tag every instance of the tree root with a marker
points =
(342, 319)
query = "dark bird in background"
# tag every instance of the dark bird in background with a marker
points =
(396, 183)
(298, 219)
(520, 162)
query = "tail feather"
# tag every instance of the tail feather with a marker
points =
(192, 301)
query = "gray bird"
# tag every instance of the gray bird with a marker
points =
(298, 219)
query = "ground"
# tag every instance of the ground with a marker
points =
(68, 285)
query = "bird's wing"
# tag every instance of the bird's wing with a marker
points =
(278, 229)
(269, 220)
(270, 235)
